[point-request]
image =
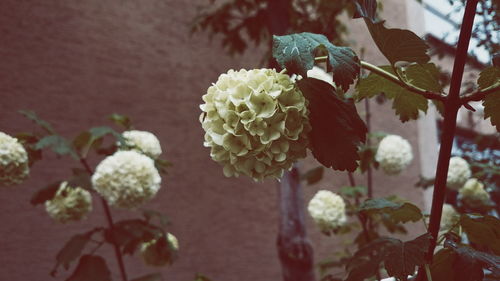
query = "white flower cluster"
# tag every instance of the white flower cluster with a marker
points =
(144, 142)
(473, 193)
(458, 173)
(393, 154)
(126, 179)
(69, 204)
(14, 167)
(256, 123)
(449, 218)
(160, 252)
(328, 210)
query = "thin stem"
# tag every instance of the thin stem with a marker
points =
(480, 94)
(109, 219)
(368, 143)
(452, 105)
(362, 220)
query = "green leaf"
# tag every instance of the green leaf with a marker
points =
(34, 117)
(442, 265)
(129, 234)
(313, 175)
(121, 120)
(91, 268)
(402, 257)
(73, 248)
(396, 44)
(99, 132)
(353, 191)
(489, 77)
(162, 165)
(337, 129)
(406, 104)
(296, 53)
(46, 193)
(470, 263)
(58, 144)
(398, 212)
(482, 230)
(150, 277)
(399, 258)
(424, 76)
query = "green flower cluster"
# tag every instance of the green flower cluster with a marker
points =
(256, 123)
(473, 193)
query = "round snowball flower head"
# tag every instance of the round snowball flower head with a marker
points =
(255, 122)
(126, 179)
(160, 251)
(473, 193)
(14, 167)
(449, 218)
(328, 210)
(69, 204)
(394, 154)
(144, 142)
(458, 173)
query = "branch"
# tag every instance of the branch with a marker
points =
(480, 94)
(393, 78)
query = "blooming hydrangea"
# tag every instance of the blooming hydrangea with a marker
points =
(473, 193)
(394, 154)
(160, 251)
(144, 142)
(69, 204)
(449, 218)
(328, 210)
(126, 179)
(458, 173)
(13, 161)
(255, 123)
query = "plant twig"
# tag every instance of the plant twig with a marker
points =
(393, 78)
(452, 105)
(109, 219)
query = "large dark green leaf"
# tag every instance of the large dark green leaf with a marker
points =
(91, 268)
(337, 129)
(482, 230)
(406, 104)
(296, 53)
(488, 77)
(398, 212)
(396, 44)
